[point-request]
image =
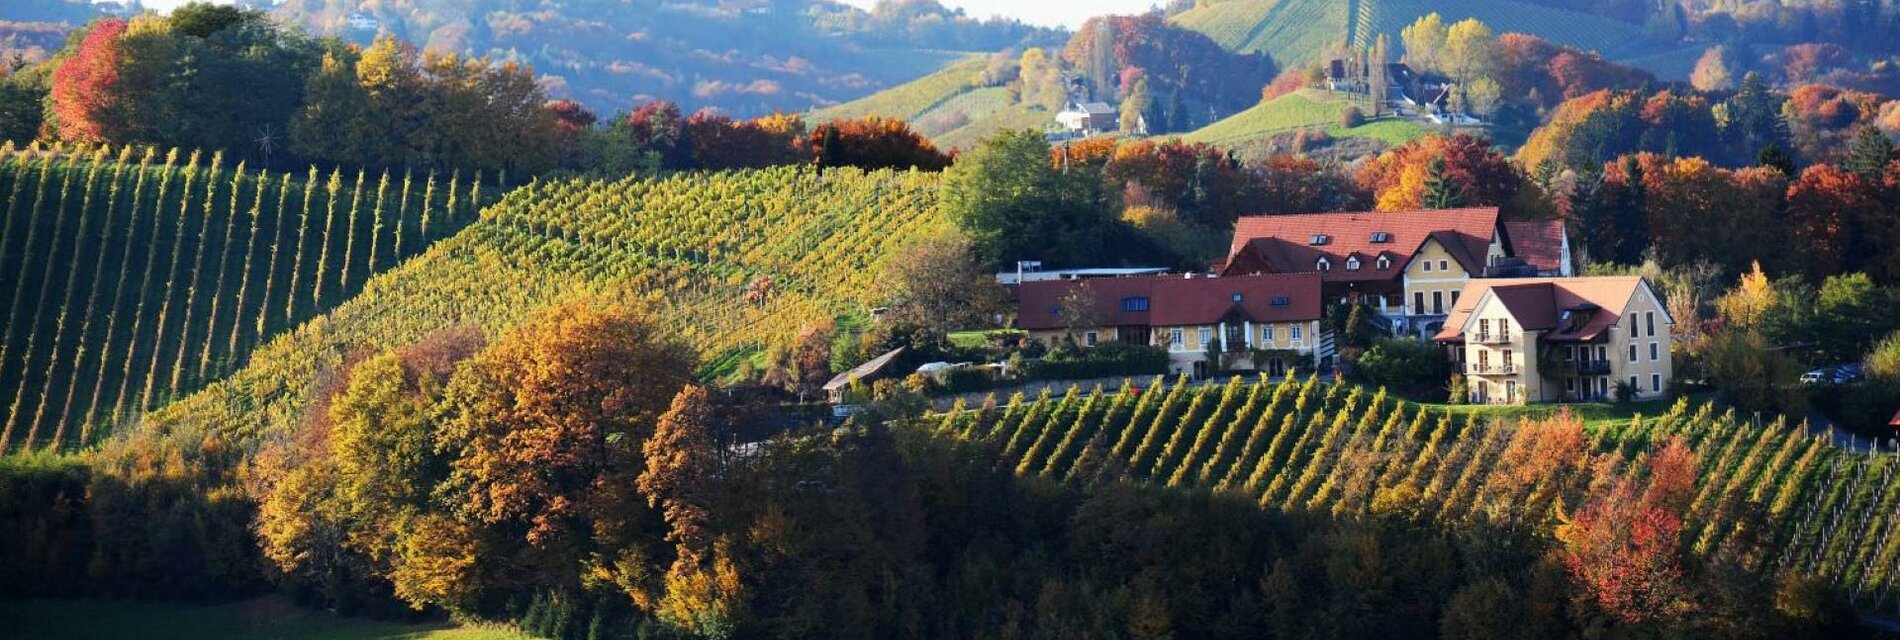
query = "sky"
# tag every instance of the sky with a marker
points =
(1068, 13)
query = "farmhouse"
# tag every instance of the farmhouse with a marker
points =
(1410, 266)
(1088, 118)
(1267, 323)
(1561, 339)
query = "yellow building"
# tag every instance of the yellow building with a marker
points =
(1560, 339)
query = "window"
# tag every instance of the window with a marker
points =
(1570, 384)
(1444, 265)
(1135, 304)
(1654, 349)
(1508, 359)
(1266, 333)
(1280, 301)
(1632, 352)
(1324, 265)
(1320, 239)
(1207, 337)
(1418, 303)
(1428, 266)
(1484, 360)
(1655, 382)
(1089, 338)
(1484, 326)
(1381, 237)
(1384, 263)
(1649, 317)
(1238, 298)
(1635, 331)
(1352, 264)
(1504, 327)
(1635, 385)
(1438, 302)
(1055, 310)
(1295, 333)
(1174, 338)
(1454, 299)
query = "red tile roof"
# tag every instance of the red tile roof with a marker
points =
(1540, 243)
(1283, 244)
(1175, 300)
(1540, 304)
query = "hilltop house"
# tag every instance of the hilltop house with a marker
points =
(1409, 266)
(1560, 339)
(361, 21)
(1088, 118)
(1267, 323)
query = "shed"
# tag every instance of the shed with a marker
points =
(872, 370)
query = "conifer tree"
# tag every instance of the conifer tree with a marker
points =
(1441, 191)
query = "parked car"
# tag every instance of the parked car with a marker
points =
(1831, 375)
(1853, 373)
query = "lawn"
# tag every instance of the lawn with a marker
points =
(1308, 108)
(269, 618)
(1595, 415)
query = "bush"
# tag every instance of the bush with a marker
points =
(1351, 117)
(1105, 360)
(966, 380)
(1414, 367)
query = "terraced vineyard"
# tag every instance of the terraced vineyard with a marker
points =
(729, 261)
(132, 276)
(1308, 108)
(1347, 451)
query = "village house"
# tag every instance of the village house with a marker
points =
(1084, 119)
(1266, 323)
(1409, 266)
(1560, 340)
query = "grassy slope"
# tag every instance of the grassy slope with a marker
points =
(1301, 110)
(1298, 31)
(262, 619)
(947, 106)
(909, 101)
(685, 250)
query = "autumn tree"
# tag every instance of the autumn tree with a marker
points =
(1624, 546)
(873, 143)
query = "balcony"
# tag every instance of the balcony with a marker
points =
(1593, 367)
(1485, 337)
(1478, 369)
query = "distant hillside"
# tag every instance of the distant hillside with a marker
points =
(748, 57)
(1296, 32)
(952, 106)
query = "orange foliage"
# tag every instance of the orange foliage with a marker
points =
(83, 86)
(874, 143)
(1820, 205)
(1396, 178)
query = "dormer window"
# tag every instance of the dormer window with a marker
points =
(1280, 301)
(1381, 237)
(1320, 239)
(1384, 263)
(1238, 298)
(1352, 264)
(1324, 265)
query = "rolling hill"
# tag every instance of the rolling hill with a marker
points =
(1305, 109)
(727, 261)
(1296, 32)
(950, 106)
(1299, 446)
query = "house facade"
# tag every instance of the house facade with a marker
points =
(1410, 266)
(1088, 118)
(1531, 340)
(1268, 323)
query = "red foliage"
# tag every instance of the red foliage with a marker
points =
(571, 117)
(719, 143)
(1395, 178)
(1287, 82)
(84, 84)
(874, 143)
(1805, 62)
(1625, 547)
(1169, 171)
(1820, 205)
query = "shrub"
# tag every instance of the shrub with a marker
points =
(1351, 117)
(1105, 360)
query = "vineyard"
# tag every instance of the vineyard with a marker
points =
(727, 261)
(132, 276)
(1345, 451)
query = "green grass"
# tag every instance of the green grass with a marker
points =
(1295, 32)
(261, 619)
(1305, 109)
(911, 100)
(1595, 415)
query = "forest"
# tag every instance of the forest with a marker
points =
(395, 334)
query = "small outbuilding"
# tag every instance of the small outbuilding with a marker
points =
(875, 369)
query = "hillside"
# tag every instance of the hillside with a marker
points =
(135, 277)
(951, 106)
(727, 261)
(1295, 32)
(1349, 452)
(1305, 109)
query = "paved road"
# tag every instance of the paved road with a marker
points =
(1818, 424)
